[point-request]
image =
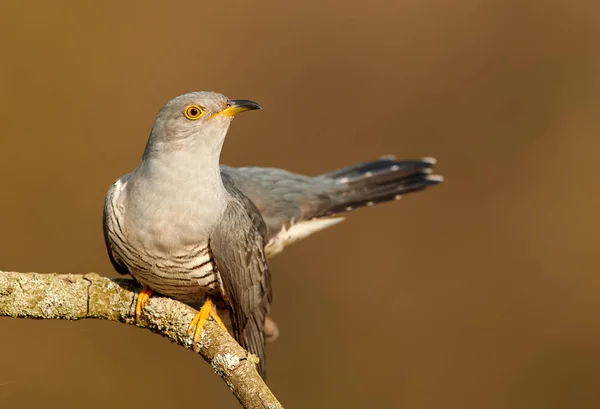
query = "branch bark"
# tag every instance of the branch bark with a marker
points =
(73, 297)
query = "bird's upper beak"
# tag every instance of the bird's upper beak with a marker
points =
(235, 106)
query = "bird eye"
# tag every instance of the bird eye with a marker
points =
(193, 112)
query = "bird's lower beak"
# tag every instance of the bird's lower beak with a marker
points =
(235, 106)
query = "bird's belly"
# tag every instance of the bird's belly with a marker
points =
(184, 273)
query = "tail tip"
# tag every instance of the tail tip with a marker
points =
(434, 178)
(430, 160)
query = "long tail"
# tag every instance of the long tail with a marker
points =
(379, 181)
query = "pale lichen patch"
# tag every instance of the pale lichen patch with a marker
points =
(204, 339)
(225, 361)
(253, 358)
(51, 303)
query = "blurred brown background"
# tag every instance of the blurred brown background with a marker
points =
(481, 293)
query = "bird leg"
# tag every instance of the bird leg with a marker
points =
(141, 302)
(199, 319)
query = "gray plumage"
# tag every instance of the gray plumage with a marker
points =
(189, 228)
(287, 200)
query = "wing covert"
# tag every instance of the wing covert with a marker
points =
(237, 245)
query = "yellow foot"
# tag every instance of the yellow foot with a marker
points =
(141, 302)
(200, 318)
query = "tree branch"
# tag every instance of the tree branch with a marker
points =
(73, 297)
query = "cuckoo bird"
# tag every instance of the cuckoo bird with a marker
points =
(191, 229)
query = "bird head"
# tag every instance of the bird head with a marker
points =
(195, 121)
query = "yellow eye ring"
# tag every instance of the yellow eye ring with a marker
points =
(193, 112)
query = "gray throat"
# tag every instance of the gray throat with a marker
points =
(178, 195)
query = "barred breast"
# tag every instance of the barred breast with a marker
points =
(186, 273)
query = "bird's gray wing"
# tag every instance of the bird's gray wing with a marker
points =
(237, 245)
(283, 197)
(111, 224)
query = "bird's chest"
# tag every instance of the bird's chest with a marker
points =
(161, 232)
(164, 219)
(169, 251)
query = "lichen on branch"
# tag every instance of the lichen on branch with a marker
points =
(73, 297)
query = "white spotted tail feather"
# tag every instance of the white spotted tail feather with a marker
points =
(379, 181)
